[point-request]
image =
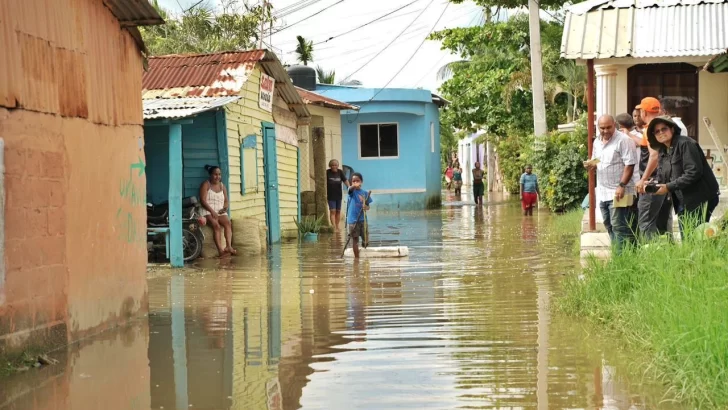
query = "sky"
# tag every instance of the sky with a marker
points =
(350, 54)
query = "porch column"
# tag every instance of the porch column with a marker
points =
(606, 89)
(176, 254)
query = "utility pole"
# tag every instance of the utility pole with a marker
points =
(262, 25)
(539, 103)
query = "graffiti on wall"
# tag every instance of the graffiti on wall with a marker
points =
(133, 195)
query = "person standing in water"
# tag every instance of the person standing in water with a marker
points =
(359, 201)
(529, 191)
(214, 200)
(334, 178)
(448, 176)
(478, 186)
(457, 178)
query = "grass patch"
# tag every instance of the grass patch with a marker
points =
(670, 301)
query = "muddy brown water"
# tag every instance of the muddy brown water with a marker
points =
(462, 323)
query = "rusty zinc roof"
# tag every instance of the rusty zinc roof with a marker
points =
(216, 75)
(310, 97)
(133, 13)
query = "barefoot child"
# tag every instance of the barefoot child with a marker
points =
(457, 178)
(359, 201)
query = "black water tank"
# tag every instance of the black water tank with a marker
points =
(303, 76)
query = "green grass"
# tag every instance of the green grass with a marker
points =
(669, 303)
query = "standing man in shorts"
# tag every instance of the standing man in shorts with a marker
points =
(478, 185)
(334, 178)
(529, 191)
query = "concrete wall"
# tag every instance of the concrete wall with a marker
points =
(70, 115)
(412, 180)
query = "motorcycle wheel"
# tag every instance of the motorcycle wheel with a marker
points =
(191, 245)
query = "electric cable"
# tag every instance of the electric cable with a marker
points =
(391, 42)
(413, 54)
(306, 18)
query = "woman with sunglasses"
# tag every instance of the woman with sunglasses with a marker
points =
(690, 182)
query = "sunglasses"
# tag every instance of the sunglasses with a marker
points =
(662, 130)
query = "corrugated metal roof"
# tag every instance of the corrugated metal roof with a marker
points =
(310, 97)
(682, 30)
(589, 5)
(183, 107)
(216, 75)
(132, 13)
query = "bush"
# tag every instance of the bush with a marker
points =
(557, 160)
(514, 153)
(668, 301)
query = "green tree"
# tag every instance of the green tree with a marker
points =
(304, 50)
(202, 29)
(325, 77)
(490, 86)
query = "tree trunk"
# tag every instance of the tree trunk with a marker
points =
(539, 103)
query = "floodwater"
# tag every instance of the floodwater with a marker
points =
(462, 323)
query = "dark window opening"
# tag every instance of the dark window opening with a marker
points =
(378, 140)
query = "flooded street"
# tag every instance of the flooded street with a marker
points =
(463, 322)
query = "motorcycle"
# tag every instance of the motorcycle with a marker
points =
(192, 235)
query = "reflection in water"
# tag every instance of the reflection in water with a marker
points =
(464, 322)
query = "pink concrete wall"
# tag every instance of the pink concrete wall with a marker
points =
(70, 115)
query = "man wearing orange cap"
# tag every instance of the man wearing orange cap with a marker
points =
(654, 211)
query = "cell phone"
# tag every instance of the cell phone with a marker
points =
(651, 188)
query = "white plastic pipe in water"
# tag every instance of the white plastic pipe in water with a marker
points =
(379, 252)
(2, 221)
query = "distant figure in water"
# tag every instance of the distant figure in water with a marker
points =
(448, 176)
(457, 179)
(334, 178)
(359, 201)
(478, 186)
(214, 199)
(529, 191)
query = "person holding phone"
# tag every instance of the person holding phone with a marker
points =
(688, 180)
(214, 200)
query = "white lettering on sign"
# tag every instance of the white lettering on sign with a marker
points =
(267, 84)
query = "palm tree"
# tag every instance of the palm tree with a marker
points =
(325, 77)
(304, 49)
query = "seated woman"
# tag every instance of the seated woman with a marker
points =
(214, 199)
(685, 175)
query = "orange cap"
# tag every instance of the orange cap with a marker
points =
(650, 104)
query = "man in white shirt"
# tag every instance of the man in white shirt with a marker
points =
(614, 157)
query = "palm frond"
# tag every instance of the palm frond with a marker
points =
(304, 49)
(447, 71)
(325, 77)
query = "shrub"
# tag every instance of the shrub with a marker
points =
(557, 160)
(514, 153)
(309, 224)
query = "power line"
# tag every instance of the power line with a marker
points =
(367, 23)
(306, 18)
(295, 8)
(390, 43)
(413, 54)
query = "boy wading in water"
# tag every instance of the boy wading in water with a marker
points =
(359, 201)
(529, 191)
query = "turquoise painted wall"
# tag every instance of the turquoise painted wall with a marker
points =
(418, 164)
(199, 148)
